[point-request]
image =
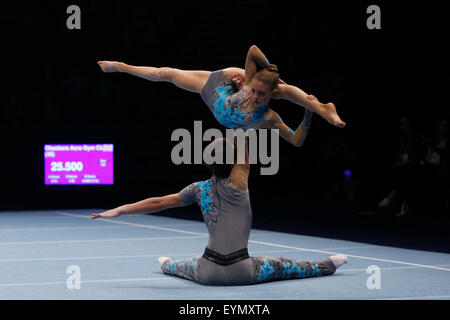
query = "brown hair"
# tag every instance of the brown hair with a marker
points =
(221, 146)
(269, 75)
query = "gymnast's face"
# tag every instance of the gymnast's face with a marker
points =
(260, 93)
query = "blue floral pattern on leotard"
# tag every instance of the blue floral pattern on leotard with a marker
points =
(172, 266)
(289, 269)
(231, 111)
(316, 272)
(205, 198)
(266, 270)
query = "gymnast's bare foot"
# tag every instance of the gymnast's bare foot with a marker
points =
(330, 114)
(328, 111)
(109, 66)
(161, 260)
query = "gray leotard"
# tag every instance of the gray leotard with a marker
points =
(229, 106)
(226, 212)
(228, 216)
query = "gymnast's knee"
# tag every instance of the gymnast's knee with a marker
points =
(167, 73)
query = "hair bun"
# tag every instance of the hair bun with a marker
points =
(272, 68)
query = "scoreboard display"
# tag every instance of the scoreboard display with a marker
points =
(79, 164)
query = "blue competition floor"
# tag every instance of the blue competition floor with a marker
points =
(117, 260)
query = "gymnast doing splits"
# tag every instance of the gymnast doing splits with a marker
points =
(240, 98)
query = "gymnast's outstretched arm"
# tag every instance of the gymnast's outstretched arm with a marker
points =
(150, 205)
(297, 137)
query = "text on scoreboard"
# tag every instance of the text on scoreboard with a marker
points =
(79, 164)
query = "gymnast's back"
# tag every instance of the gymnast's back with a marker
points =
(226, 211)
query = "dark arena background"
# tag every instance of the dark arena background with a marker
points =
(390, 85)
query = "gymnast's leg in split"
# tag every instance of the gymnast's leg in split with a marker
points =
(257, 89)
(225, 205)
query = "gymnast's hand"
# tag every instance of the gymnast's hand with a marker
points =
(238, 80)
(107, 214)
(109, 66)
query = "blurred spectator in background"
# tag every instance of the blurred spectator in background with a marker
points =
(408, 145)
(436, 154)
(434, 164)
(406, 161)
(420, 168)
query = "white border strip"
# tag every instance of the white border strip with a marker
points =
(416, 298)
(350, 255)
(3, 285)
(94, 240)
(85, 228)
(131, 224)
(264, 243)
(387, 268)
(140, 256)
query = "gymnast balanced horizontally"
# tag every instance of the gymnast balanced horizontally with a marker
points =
(225, 204)
(248, 105)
